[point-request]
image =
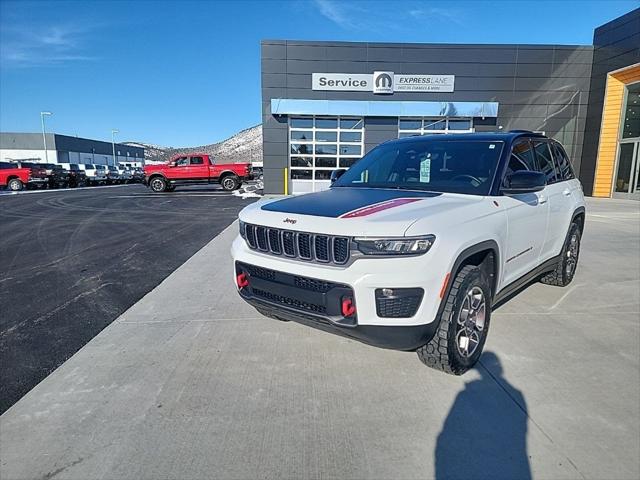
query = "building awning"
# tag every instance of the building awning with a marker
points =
(390, 108)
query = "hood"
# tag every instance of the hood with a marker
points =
(354, 211)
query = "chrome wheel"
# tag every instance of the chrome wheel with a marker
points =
(228, 183)
(573, 250)
(470, 322)
(157, 185)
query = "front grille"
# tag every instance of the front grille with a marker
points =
(300, 245)
(291, 302)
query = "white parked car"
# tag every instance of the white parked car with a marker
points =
(95, 175)
(412, 246)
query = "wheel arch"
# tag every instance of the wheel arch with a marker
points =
(579, 217)
(485, 254)
(226, 173)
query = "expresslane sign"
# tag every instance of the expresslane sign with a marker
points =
(384, 83)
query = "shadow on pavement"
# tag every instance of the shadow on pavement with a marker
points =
(479, 438)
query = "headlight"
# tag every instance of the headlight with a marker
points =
(395, 246)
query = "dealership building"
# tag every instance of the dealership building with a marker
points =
(325, 104)
(66, 149)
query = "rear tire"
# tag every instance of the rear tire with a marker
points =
(230, 183)
(15, 185)
(463, 325)
(158, 185)
(563, 274)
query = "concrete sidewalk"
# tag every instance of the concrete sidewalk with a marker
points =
(192, 383)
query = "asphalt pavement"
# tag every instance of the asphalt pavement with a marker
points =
(190, 382)
(73, 260)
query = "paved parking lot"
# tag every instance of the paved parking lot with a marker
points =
(192, 383)
(73, 260)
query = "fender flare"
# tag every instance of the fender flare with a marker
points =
(464, 255)
(226, 173)
(580, 211)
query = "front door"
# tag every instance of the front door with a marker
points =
(181, 169)
(527, 216)
(627, 180)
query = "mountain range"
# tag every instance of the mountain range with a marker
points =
(244, 146)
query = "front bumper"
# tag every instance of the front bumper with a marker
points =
(361, 279)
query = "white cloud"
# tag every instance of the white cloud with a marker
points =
(34, 46)
(337, 12)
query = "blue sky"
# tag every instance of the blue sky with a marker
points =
(188, 73)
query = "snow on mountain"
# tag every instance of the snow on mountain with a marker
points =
(244, 146)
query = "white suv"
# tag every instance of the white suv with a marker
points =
(416, 242)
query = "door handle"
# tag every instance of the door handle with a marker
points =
(542, 200)
(566, 192)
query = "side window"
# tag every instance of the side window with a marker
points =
(521, 158)
(197, 161)
(182, 161)
(545, 161)
(562, 162)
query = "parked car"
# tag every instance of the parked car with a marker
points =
(413, 245)
(113, 175)
(77, 176)
(37, 177)
(56, 175)
(138, 174)
(195, 168)
(125, 174)
(257, 170)
(13, 177)
(95, 175)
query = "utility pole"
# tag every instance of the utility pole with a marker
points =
(113, 144)
(44, 135)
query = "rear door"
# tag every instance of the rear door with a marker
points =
(526, 218)
(555, 197)
(198, 168)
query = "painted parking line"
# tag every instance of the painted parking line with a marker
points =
(180, 195)
(56, 190)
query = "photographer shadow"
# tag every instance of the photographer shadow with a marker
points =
(485, 433)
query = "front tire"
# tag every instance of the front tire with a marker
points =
(15, 185)
(463, 324)
(563, 274)
(158, 184)
(230, 183)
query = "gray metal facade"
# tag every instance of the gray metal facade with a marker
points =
(616, 45)
(538, 87)
(65, 143)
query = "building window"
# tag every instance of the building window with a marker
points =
(318, 145)
(409, 127)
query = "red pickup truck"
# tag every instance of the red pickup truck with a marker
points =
(15, 176)
(195, 168)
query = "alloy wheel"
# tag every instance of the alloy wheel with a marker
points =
(471, 322)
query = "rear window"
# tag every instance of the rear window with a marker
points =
(88, 166)
(562, 162)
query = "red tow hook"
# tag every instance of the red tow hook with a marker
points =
(348, 308)
(242, 280)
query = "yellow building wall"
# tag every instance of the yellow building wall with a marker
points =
(611, 119)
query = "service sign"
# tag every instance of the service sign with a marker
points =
(385, 83)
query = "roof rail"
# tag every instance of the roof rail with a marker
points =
(531, 132)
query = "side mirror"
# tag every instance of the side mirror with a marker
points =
(336, 174)
(524, 181)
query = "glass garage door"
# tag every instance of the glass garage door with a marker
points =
(318, 145)
(408, 127)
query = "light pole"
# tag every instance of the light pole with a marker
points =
(113, 144)
(44, 135)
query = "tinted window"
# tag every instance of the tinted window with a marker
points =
(88, 166)
(434, 165)
(562, 162)
(545, 161)
(521, 158)
(197, 161)
(6, 166)
(182, 161)
(74, 167)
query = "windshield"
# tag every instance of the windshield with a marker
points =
(456, 166)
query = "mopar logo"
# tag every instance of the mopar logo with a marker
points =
(382, 82)
(290, 220)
